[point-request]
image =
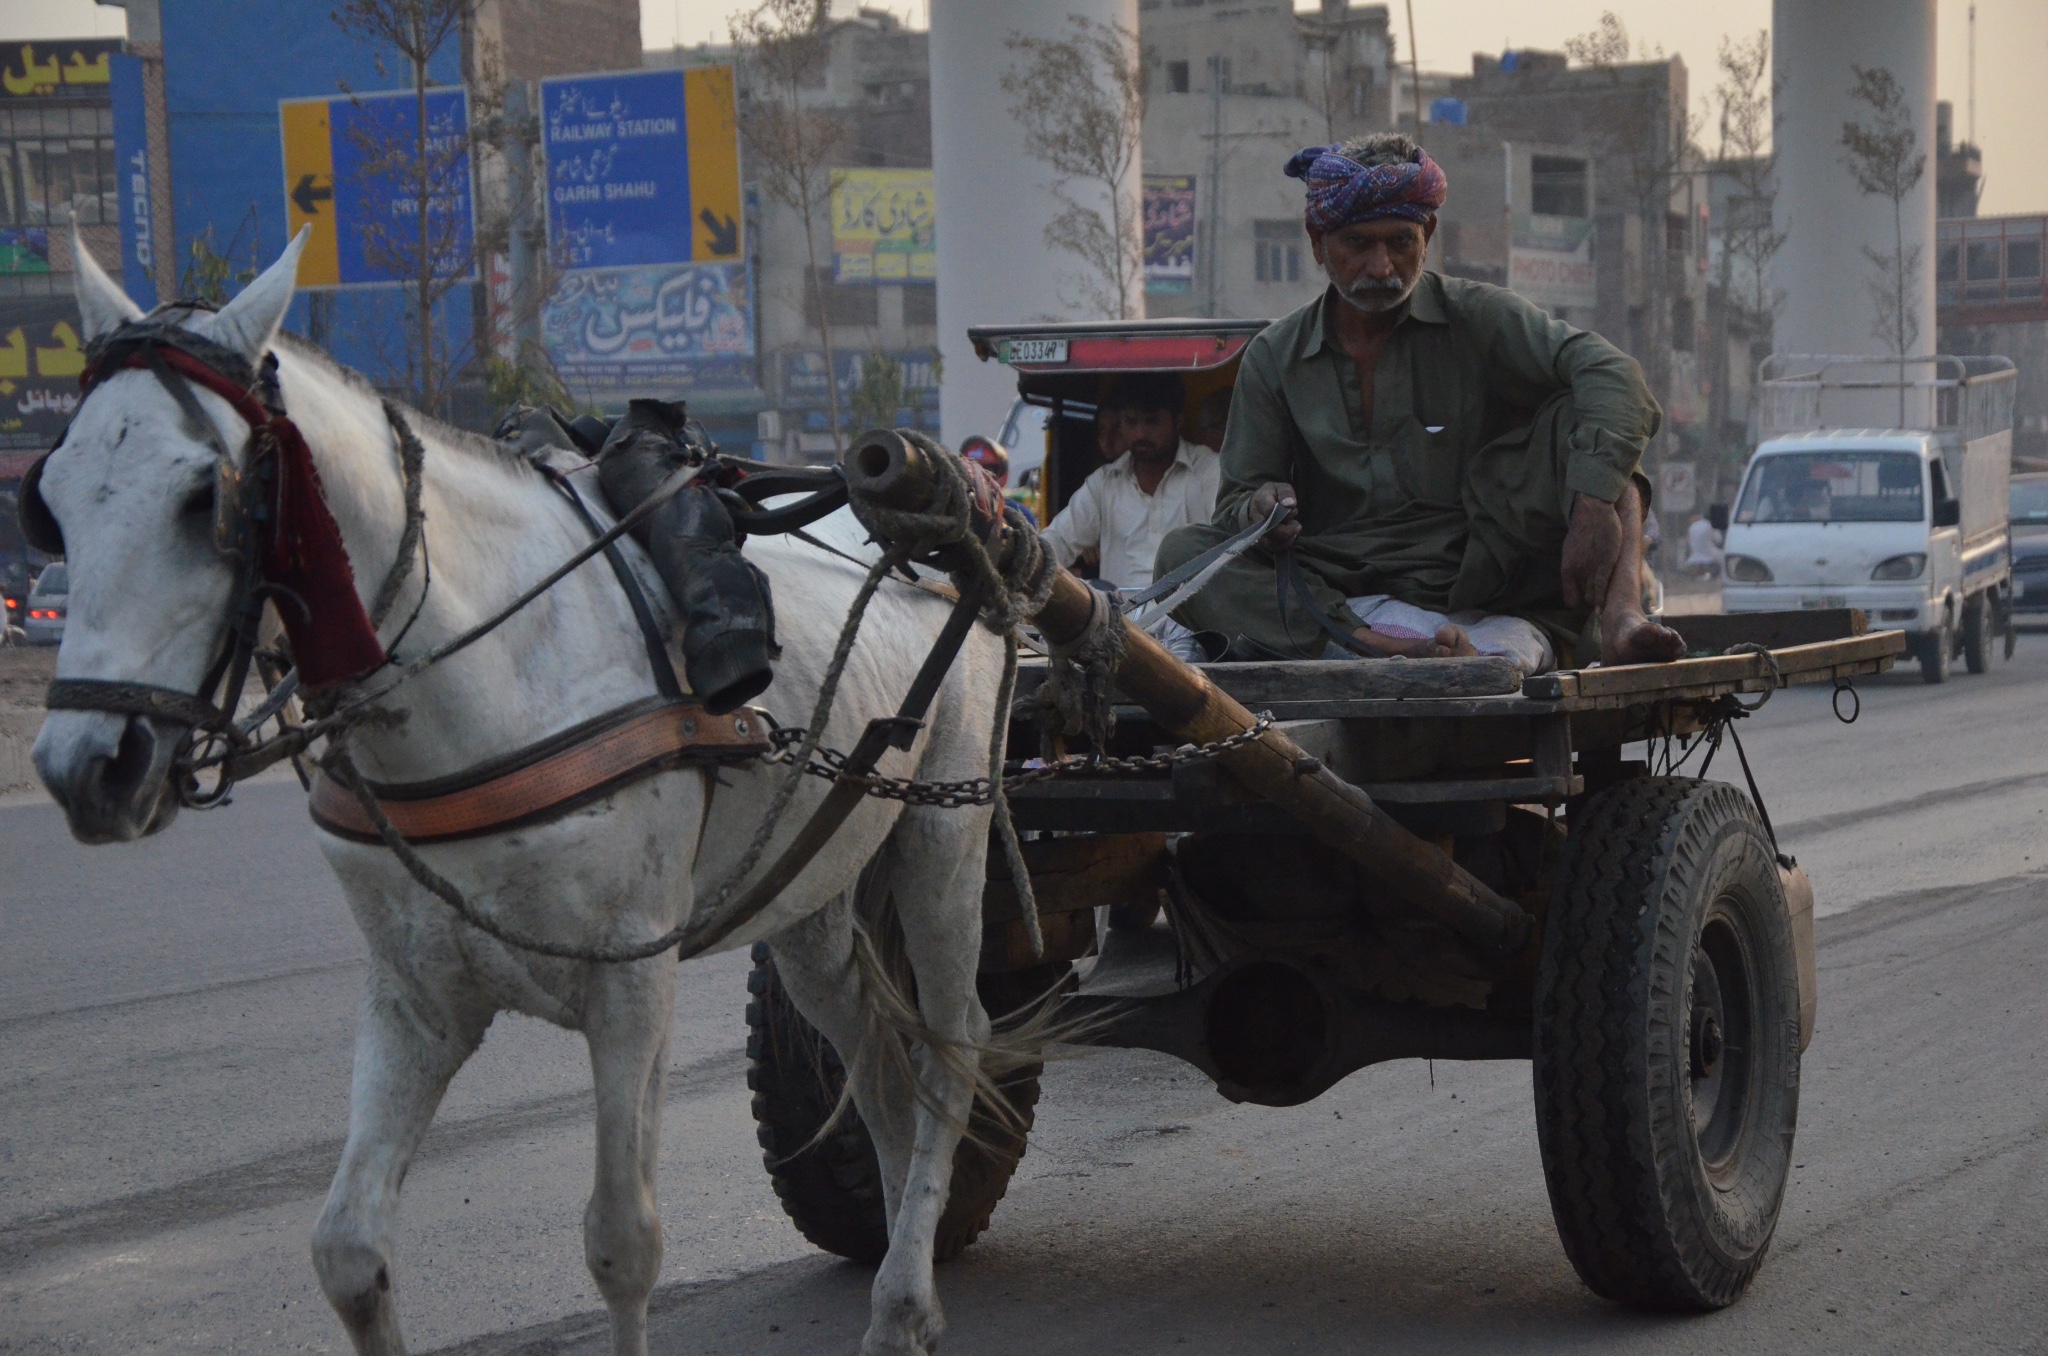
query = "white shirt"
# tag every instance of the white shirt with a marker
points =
(1702, 543)
(1125, 524)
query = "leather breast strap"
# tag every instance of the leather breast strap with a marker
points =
(548, 780)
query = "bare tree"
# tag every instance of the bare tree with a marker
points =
(1607, 45)
(782, 49)
(1743, 99)
(431, 246)
(1748, 162)
(1081, 101)
(1884, 157)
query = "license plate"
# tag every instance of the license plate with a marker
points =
(1825, 600)
(1034, 351)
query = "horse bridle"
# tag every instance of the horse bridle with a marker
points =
(245, 518)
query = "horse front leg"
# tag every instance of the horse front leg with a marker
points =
(406, 1051)
(626, 1024)
(937, 885)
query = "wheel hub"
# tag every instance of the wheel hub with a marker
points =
(1707, 1044)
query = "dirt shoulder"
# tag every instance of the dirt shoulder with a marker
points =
(25, 671)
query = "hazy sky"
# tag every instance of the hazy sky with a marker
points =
(2012, 53)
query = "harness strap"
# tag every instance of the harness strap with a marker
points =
(665, 680)
(550, 779)
(131, 699)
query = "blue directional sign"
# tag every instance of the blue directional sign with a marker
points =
(354, 172)
(642, 168)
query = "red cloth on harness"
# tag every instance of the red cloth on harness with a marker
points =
(332, 639)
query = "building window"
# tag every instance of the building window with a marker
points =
(1682, 325)
(844, 304)
(920, 305)
(1176, 77)
(55, 162)
(1276, 251)
(1677, 232)
(1557, 186)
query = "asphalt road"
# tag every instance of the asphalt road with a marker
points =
(176, 1019)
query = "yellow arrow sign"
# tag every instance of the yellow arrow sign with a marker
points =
(309, 188)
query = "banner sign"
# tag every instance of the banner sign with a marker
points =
(884, 226)
(131, 183)
(1550, 261)
(40, 359)
(351, 172)
(803, 376)
(662, 330)
(68, 68)
(642, 168)
(1169, 233)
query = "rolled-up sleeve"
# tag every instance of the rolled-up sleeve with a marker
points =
(1078, 526)
(1617, 415)
(1260, 440)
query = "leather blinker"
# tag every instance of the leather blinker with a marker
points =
(39, 527)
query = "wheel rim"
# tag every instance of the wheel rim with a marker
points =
(1721, 1042)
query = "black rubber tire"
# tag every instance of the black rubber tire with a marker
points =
(1977, 634)
(1935, 650)
(832, 1191)
(1667, 912)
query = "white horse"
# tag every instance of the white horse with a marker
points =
(131, 487)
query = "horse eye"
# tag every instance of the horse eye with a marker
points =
(199, 502)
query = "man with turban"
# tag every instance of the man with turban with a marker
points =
(1458, 466)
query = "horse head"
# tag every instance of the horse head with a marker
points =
(129, 492)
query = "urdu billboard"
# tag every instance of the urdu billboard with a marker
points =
(884, 226)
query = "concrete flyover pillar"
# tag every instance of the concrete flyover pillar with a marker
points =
(1822, 271)
(994, 200)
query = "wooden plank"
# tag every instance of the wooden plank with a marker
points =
(1069, 874)
(1258, 684)
(1713, 633)
(1690, 677)
(1267, 683)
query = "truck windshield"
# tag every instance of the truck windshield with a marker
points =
(2030, 501)
(1833, 487)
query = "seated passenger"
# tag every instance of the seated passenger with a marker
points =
(1460, 468)
(1157, 481)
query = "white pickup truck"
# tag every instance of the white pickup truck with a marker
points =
(1881, 484)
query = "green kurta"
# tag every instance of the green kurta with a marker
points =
(1488, 416)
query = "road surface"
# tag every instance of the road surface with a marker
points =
(176, 1019)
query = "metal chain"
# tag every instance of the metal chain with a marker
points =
(830, 763)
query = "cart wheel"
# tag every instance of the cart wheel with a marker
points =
(1667, 1044)
(832, 1190)
(1935, 651)
(1977, 635)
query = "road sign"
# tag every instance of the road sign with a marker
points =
(353, 171)
(642, 168)
(1677, 488)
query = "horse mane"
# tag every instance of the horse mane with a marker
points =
(444, 433)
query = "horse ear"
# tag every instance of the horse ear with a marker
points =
(102, 305)
(249, 322)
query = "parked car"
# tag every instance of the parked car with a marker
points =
(47, 606)
(2030, 543)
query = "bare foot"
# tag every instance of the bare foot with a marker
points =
(1450, 642)
(1633, 638)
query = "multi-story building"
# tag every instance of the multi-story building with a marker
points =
(874, 87)
(57, 165)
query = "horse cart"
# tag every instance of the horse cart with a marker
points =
(1390, 859)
